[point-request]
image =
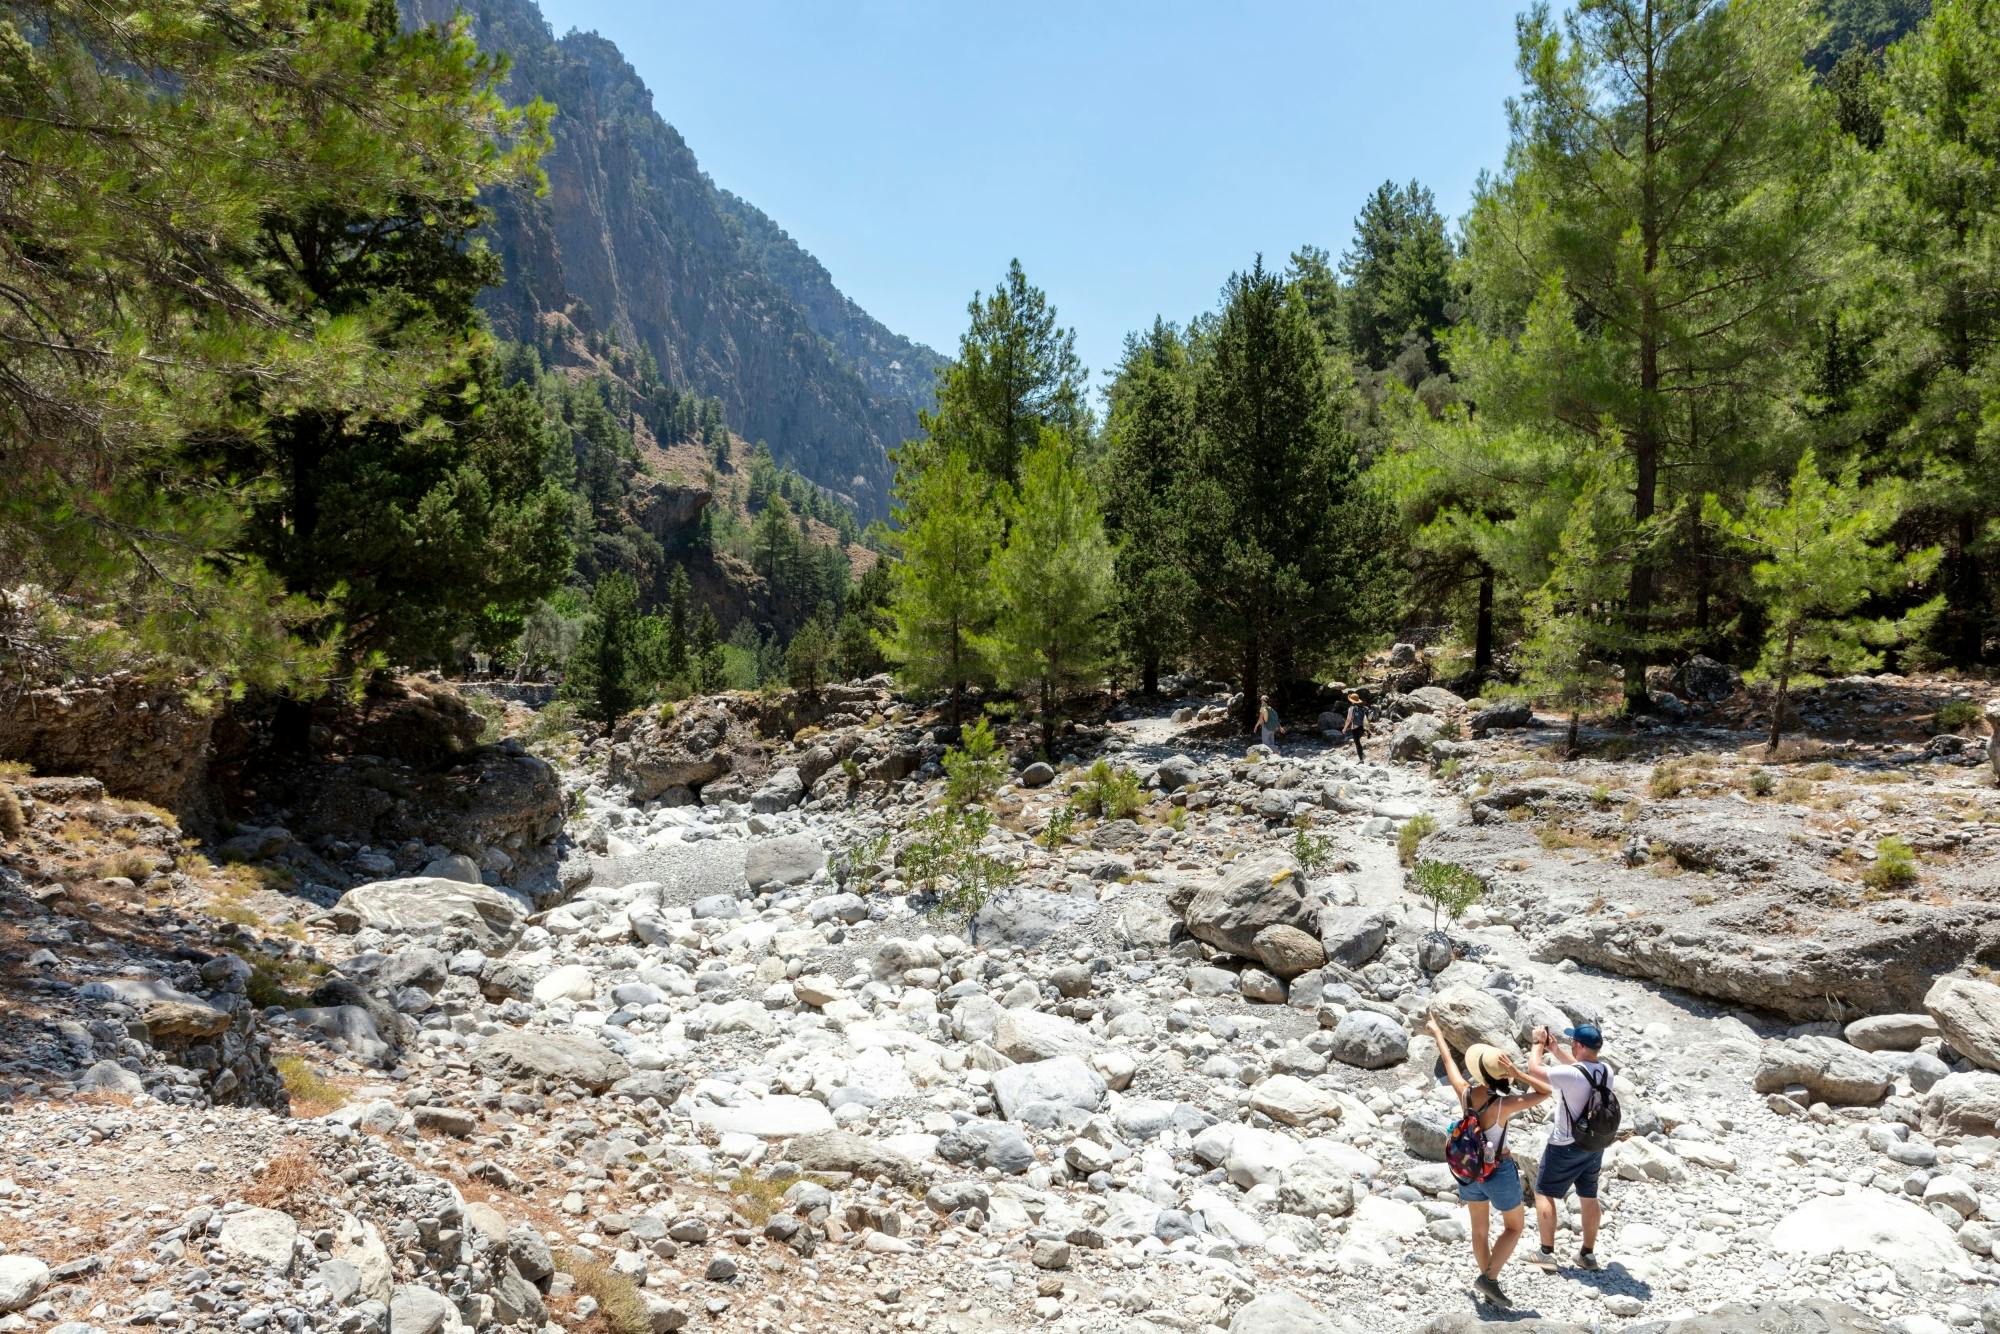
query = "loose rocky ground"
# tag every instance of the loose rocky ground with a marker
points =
(1169, 1079)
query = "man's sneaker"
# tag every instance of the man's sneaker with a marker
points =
(1588, 1259)
(1543, 1258)
(1487, 1290)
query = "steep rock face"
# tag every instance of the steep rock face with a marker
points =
(140, 738)
(633, 239)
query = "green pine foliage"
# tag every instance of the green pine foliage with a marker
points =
(1017, 372)
(1647, 266)
(1051, 581)
(1820, 557)
(164, 336)
(942, 599)
(1285, 552)
(1147, 429)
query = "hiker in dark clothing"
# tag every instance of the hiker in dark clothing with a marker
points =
(1356, 724)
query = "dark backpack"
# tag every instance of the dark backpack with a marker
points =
(1596, 1126)
(1465, 1148)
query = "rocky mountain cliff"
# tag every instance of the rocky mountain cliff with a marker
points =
(634, 241)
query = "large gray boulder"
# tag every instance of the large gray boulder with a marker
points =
(1248, 896)
(426, 904)
(520, 1055)
(844, 1151)
(1468, 1016)
(1369, 1040)
(1287, 951)
(1837, 964)
(1505, 713)
(22, 1279)
(1283, 1311)
(1353, 936)
(780, 792)
(1831, 1071)
(1064, 1080)
(1031, 1035)
(1144, 922)
(1703, 678)
(1967, 1011)
(1964, 1104)
(1414, 737)
(790, 860)
(1025, 918)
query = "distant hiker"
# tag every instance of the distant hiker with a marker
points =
(1586, 1124)
(1267, 722)
(1488, 1177)
(1356, 723)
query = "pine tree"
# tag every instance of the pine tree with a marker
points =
(148, 155)
(942, 601)
(1398, 273)
(1820, 558)
(1931, 274)
(1016, 373)
(809, 655)
(603, 675)
(1652, 256)
(1147, 430)
(1052, 582)
(1286, 553)
(1570, 616)
(676, 650)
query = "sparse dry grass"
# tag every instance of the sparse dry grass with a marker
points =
(619, 1304)
(757, 1198)
(1556, 837)
(311, 1093)
(292, 1181)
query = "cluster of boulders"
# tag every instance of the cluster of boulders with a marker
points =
(1173, 1075)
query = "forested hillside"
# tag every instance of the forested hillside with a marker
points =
(633, 241)
(1712, 365)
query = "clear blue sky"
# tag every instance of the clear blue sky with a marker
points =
(1131, 155)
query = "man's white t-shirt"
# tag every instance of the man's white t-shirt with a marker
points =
(1572, 1089)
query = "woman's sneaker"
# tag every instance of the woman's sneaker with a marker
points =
(1588, 1259)
(1543, 1258)
(1487, 1290)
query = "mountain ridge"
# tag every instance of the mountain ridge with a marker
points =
(634, 242)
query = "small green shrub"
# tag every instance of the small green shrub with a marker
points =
(555, 721)
(1669, 779)
(944, 859)
(1414, 831)
(1449, 769)
(974, 769)
(492, 715)
(860, 861)
(1956, 715)
(1062, 823)
(1313, 852)
(850, 768)
(1763, 783)
(1450, 888)
(1109, 792)
(1895, 865)
(12, 822)
(1176, 818)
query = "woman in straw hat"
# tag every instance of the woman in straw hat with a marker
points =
(1488, 1095)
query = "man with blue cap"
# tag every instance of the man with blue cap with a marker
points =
(1586, 1122)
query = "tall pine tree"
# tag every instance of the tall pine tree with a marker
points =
(1286, 552)
(1051, 582)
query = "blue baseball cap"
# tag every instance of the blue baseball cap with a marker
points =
(1586, 1034)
